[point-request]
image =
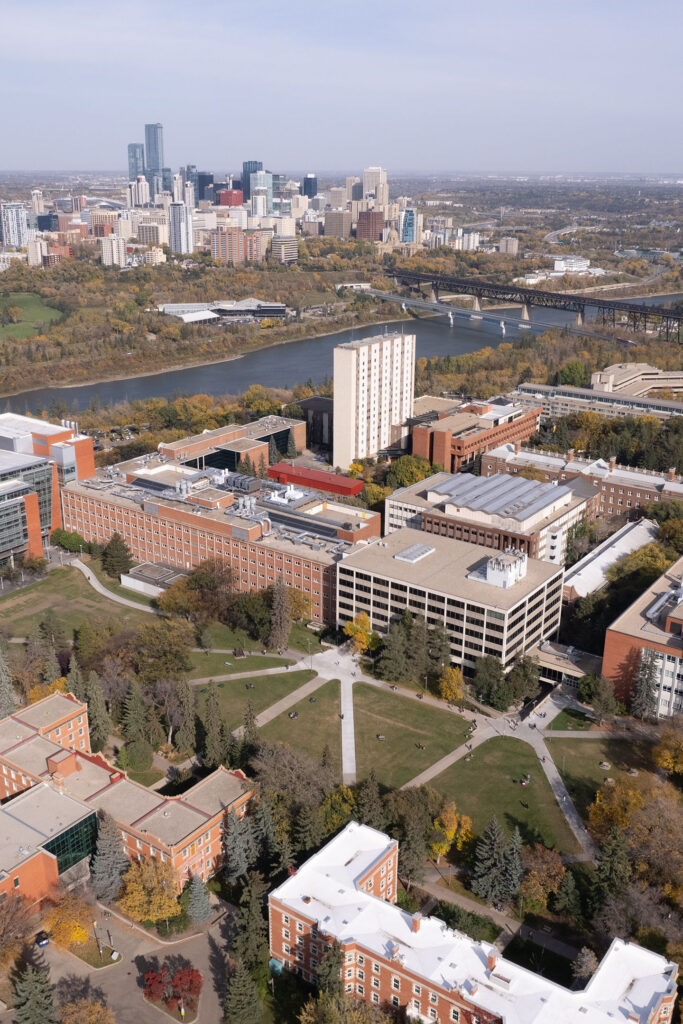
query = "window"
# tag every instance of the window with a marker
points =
(16, 883)
(375, 968)
(455, 1015)
(394, 1001)
(375, 982)
(375, 997)
(396, 983)
(432, 1013)
(285, 933)
(417, 989)
(360, 989)
(433, 997)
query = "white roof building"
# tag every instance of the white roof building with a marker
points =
(590, 573)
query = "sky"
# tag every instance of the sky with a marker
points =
(480, 86)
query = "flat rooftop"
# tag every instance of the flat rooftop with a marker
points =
(51, 709)
(14, 425)
(32, 818)
(366, 342)
(645, 618)
(590, 573)
(446, 568)
(500, 495)
(216, 792)
(14, 462)
(566, 659)
(264, 425)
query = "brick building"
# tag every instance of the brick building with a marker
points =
(370, 225)
(335, 483)
(455, 439)
(392, 959)
(624, 490)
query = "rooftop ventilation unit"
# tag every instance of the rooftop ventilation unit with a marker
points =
(414, 553)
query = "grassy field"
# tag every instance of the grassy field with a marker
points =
(226, 638)
(146, 778)
(578, 762)
(318, 724)
(266, 690)
(96, 565)
(570, 718)
(404, 723)
(33, 310)
(71, 598)
(212, 664)
(490, 784)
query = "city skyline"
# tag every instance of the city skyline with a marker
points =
(530, 91)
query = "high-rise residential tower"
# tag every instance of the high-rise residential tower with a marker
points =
(180, 229)
(136, 160)
(249, 167)
(154, 147)
(375, 183)
(37, 202)
(374, 380)
(14, 224)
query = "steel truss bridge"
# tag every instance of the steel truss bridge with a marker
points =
(638, 316)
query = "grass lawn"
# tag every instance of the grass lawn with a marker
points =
(475, 925)
(212, 664)
(33, 310)
(147, 778)
(318, 725)
(225, 638)
(88, 952)
(301, 636)
(234, 695)
(571, 718)
(404, 723)
(489, 784)
(96, 565)
(578, 762)
(71, 598)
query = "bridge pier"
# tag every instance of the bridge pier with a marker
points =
(450, 319)
(580, 318)
(525, 312)
(434, 295)
(477, 304)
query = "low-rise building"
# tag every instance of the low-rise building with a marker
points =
(564, 400)
(456, 439)
(636, 379)
(418, 965)
(589, 574)
(499, 604)
(496, 512)
(285, 249)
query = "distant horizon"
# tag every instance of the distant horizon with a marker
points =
(397, 173)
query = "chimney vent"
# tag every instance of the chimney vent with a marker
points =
(291, 871)
(570, 455)
(612, 463)
(491, 961)
(671, 476)
(416, 922)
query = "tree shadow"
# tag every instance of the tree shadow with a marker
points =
(218, 967)
(71, 987)
(144, 964)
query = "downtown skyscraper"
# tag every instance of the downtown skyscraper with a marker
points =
(136, 160)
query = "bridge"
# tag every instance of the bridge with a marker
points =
(667, 321)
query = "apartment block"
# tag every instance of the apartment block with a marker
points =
(233, 245)
(417, 966)
(498, 512)
(499, 604)
(374, 382)
(456, 439)
(113, 251)
(285, 249)
(370, 226)
(624, 490)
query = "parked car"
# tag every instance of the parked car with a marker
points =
(42, 939)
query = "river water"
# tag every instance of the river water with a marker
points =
(285, 365)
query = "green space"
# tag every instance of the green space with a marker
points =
(214, 664)
(490, 783)
(480, 928)
(578, 762)
(225, 638)
(95, 564)
(316, 727)
(68, 594)
(33, 311)
(539, 960)
(404, 723)
(570, 718)
(284, 1003)
(304, 639)
(148, 777)
(89, 953)
(263, 691)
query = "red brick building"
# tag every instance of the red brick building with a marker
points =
(230, 197)
(334, 483)
(454, 440)
(370, 225)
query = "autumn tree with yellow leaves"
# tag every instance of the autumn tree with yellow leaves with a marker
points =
(150, 891)
(67, 919)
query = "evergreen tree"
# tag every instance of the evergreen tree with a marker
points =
(198, 906)
(109, 862)
(230, 747)
(603, 701)
(249, 736)
(8, 699)
(490, 683)
(263, 832)
(134, 713)
(291, 446)
(644, 693)
(439, 648)
(155, 734)
(98, 716)
(614, 868)
(392, 663)
(262, 470)
(308, 830)
(413, 851)
(33, 1000)
(285, 853)
(488, 878)
(87, 644)
(280, 616)
(116, 557)
(242, 999)
(75, 682)
(523, 678)
(35, 647)
(213, 752)
(251, 939)
(186, 733)
(234, 847)
(51, 669)
(52, 632)
(417, 653)
(330, 970)
(273, 453)
(370, 808)
(566, 900)
(513, 872)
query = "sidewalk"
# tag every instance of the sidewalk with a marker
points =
(96, 585)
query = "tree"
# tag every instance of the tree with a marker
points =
(668, 754)
(544, 873)
(513, 871)
(566, 900)
(273, 453)
(186, 734)
(198, 906)
(214, 751)
(369, 805)
(75, 682)
(524, 678)
(489, 868)
(299, 604)
(242, 1000)
(51, 669)
(326, 1008)
(86, 1011)
(67, 919)
(614, 868)
(116, 557)
(644, 692)
(33, 1000)
(280, 616)
(109, 861)
(330, 970)
(249, 734)
(490, 682)
(8, 699)
(585, 965)
(149, 891)
(413, 851)
(251, 939)
(235, 846)
(393, 663)
(451, 685)
(291, 446)
(308, 831)
(16, 926)
(603, 701)
(359, 631)
(450, 828)
(98, 717)
(162, 650)
(134, 713)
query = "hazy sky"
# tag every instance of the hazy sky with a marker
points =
(481, 85)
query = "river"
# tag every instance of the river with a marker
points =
(283, 366)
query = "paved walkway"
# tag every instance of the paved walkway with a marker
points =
(257, 672)
(96, 585)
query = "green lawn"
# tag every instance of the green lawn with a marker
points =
(404, 723)
(89, 952)
(317, 726)
(226, 638)
(234, 695)
(578, 762)
(111, 584)
(570, 718)
(490, 784)
(212, 664)
(33, 310)
(147, 778)
(71, 598)
(300, 638)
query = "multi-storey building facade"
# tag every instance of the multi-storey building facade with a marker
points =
(113, 251)
(419, 966)
(623, 490)
(498, 604)
(374, 382)
(456, 439)
(14, 225)
(564, 400)
(370, 225)
(180, 231)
